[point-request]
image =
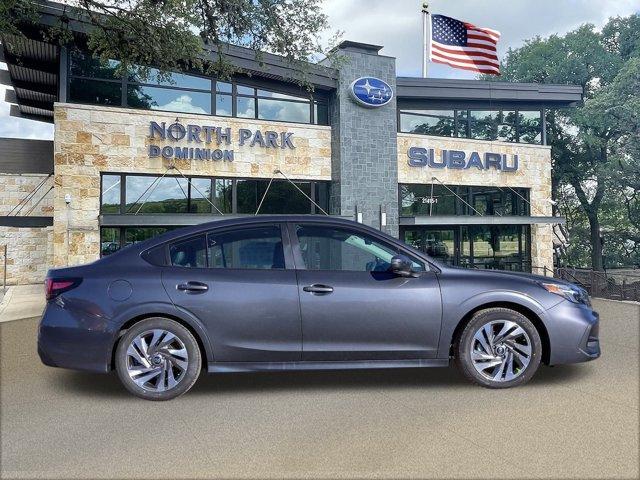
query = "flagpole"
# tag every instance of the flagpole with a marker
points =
(426, 37)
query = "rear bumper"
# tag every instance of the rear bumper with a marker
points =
(71, 341)
(574, 333)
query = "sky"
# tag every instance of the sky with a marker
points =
(397, 25)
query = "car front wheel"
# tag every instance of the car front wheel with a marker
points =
(499, 348)
(158, 359)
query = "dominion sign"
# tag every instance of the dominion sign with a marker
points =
(199, 136)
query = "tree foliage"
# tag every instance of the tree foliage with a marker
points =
(595, 147)
(171, 35)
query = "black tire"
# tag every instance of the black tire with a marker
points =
(462, 348)
(186, 378)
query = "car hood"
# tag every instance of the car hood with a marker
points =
(485, 274)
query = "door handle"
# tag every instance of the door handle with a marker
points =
(317, 288)
(192, 287)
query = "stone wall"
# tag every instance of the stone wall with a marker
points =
(364, 145)
(92, 139)
(534, 173)
(29, 250)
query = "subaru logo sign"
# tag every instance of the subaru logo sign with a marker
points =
(371, 92)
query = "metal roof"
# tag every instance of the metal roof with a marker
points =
(21, 155)
(470, 91)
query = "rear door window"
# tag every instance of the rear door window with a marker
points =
(247, 248)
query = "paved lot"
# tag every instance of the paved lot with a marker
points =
(576, 421)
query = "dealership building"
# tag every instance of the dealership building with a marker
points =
(460, 169)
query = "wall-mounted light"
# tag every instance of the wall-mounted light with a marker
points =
(358, 215)
(383, 217)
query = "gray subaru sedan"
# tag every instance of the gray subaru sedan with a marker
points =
(302, 293)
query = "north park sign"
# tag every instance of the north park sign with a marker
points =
(457, 159)
(201, 135)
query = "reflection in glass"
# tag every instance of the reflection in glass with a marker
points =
(83, 64)
(152, 75)
(242, 90)
(146, 194)
(95, 92)
(224, 87)
(269, 94)
(529, 127)
(254, 248)
(222, 195)
(245, 107)
(110, 202)
(428, 122)
(462, 120)
(223, 105)
(134, 235)
(156, 98)
(109, 241)
(200, 195)
(484, 125)
(283, 111)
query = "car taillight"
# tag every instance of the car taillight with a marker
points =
(56, 286)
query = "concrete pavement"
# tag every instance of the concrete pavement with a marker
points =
(576, 421)
(22, 301)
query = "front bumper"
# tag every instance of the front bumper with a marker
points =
(68, 340)
(573, 333)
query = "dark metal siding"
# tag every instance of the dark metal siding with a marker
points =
(19, 155)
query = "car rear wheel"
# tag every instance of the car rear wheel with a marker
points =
(499, 348)
(158, 359)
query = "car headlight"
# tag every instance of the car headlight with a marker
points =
(570, 292)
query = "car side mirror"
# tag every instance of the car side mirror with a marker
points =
(401, 266)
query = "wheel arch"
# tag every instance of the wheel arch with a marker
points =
(205, 350)
(522, 309)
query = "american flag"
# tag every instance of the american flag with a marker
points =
(463, 45)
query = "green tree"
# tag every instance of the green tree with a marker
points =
(594, 146)
(172, 35)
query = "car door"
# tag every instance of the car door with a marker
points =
(352, 307)
(241, 284)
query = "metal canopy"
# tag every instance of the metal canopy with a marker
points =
(479, 220)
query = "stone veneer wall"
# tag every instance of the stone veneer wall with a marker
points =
(92, 139)
(29, 250)
(534, 172)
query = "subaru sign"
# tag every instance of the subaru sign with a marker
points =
(371, 92)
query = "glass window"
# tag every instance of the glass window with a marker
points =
(322, 196)
(267, 93)
(428, 122)
(190, 253)
(134, 235)
(152, 75)
(109, 241)
(110, 202)
(330, 248)
(242, 90)
(224, 87)
(95, 92)
(254, 248)
(245, 107)
(418, 200)
(462, 119)
(321, 113)
(247, 196)
(146, 194)
(224, 105)
(439, 244)
(484, 125)
(200, 195)
(222, 195)
(285, 111)
(157, 98)
(283, 197)
(529, 127)
(83, 64)
(506, 124)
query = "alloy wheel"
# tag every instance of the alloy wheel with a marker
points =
(157, 360)
(501, 350)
